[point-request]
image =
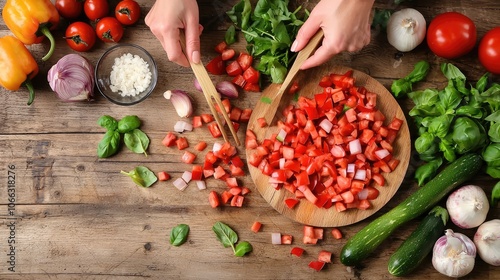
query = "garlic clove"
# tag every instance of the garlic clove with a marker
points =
(182, 102)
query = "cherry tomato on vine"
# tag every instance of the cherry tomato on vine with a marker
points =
(128, 12)
(96, 9)
(69, 9)
(80, 36)
(451, 35)
(109, 29)
(489, 51)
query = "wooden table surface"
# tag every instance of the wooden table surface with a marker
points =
(75, 216)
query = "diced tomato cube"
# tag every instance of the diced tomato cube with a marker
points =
(196, 172)
(216, 66)
(197, 122)
(256, 226)
(163, 176)
(245, 115)
(213, 127)
(233, 69)
(336, 233)
(220, 47)
(226, 197)
(239, 80)
(325, 256)
(245, 60)
(181, 143)
(261, 122)
(169, 140)
(253, 87)
(227, 54)
(286, 239)
(297, 251)
(251, 75)
(364, 204)
(213, 198)
(317, 265)
(200, 146)
(188, 157)
(294, 87)
(237, 200)
(291, 202)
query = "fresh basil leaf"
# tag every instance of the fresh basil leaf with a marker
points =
(230, 36)
(142, 176)
(137, 141)
(128, 123)
(439, 126)
(179, 234)
(426, 172)
(424, 97)
(109, 144)
(495, 195)
(467, 135)
(450, 98)
(470, 111)
(491, 155)
(108, 122)
(278, 72)
(494, 117)
(225, 234)
(494, 132)
(493, 171)
(243, 248)
(424, 142)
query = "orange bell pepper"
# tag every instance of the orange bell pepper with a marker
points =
(17, 65)
(30, 20)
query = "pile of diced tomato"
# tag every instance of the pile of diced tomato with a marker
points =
(331, 149)
(238, 66)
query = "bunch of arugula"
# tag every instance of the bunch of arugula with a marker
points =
(269, 30)
(456, 120)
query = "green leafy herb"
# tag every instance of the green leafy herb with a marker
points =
(137, 141)
(457, 119)
(404, 85)
(179, 234)
(142, 176)
(266, 100)
(228, 237)
(269, 30)
(109, 144)
(381, 18)
(495, 195)
(230, 36)
(108, 122)
(128, 123)
(243, 248)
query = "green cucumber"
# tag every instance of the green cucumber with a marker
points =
(359, 246)
(419, 244)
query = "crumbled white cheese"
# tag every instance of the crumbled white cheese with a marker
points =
(130, 75)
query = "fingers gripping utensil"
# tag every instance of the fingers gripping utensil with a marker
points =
(211, 95)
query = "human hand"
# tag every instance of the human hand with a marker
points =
(345, 24)
(165, 20)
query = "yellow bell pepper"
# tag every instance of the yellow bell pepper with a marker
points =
(30, 20)
(17, 65)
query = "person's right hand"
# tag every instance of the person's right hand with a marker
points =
(345, 24)
(166, 19)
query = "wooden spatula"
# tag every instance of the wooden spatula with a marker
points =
(211, 95)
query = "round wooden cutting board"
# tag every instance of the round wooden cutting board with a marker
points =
(305, 212)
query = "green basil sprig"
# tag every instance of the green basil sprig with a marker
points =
(142, 176)
(128, 129)
(179, 234)
(228, 237)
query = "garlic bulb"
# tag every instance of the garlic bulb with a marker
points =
(468, 206)
(454, 254)
(406, 29)
(487, 240)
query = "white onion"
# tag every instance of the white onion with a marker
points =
(181, 126)
(382, 153)
(281, 135)
(201, 184)
(180, 184)
(487, 240)
(468, 206)
(276, 238)
(360, 174)
(355, 147)
(351, 168)
(406, 29)
(186, 176)
(326, 125)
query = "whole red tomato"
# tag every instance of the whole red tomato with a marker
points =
(127, 12)
(69, 9)
(451, 35)
(80, 36)
(489, 51)
(96, 9)
(109, 29)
